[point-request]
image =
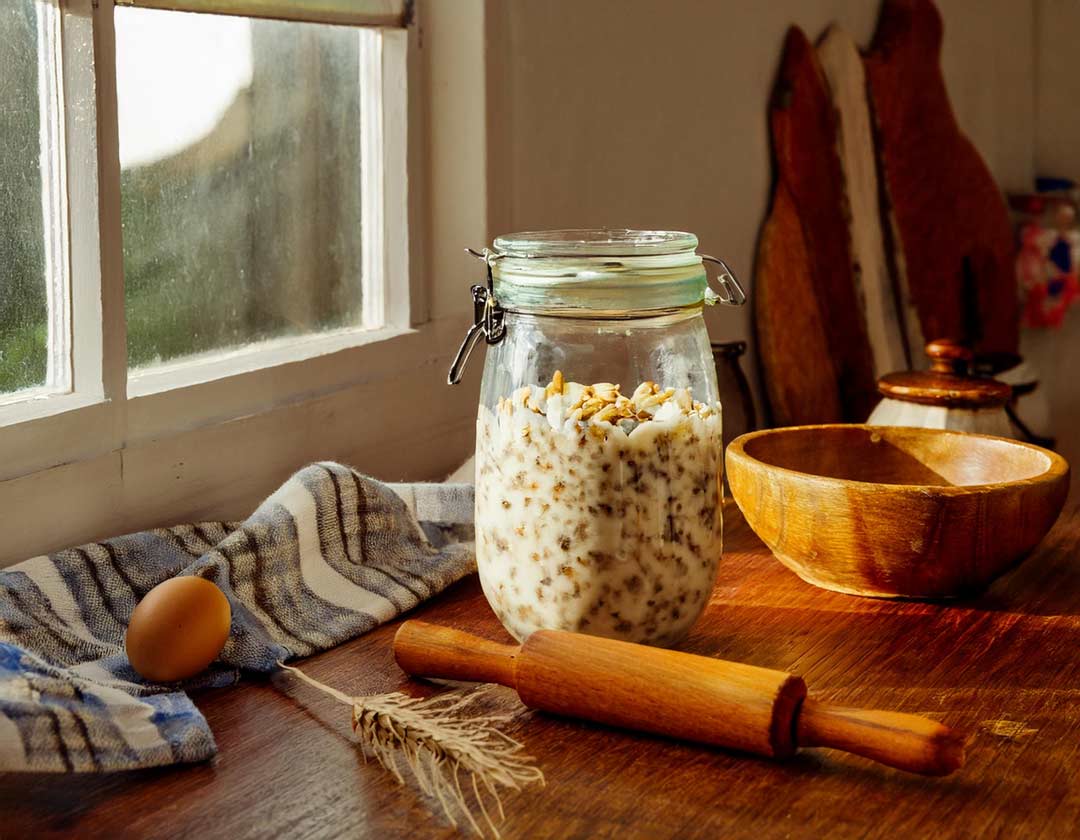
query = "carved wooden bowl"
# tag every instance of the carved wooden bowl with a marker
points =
(896, 512)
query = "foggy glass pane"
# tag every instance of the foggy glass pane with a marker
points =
(240, 181)
(23, 302)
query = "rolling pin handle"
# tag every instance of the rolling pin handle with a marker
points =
(907, 742)
(431, 650)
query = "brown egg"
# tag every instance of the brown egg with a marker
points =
(178, 629)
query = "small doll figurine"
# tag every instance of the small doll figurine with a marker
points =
(1047, 266)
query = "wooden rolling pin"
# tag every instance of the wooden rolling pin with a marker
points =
(694, 698)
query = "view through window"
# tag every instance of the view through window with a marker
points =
(24, 311)
(240, 148)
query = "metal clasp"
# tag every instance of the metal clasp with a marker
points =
(733, 294)
(487, 320)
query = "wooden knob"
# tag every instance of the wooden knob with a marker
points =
(947, 383)
(948, 356)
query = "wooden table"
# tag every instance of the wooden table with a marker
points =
(1004, 667)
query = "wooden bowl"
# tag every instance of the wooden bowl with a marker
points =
(896, 512)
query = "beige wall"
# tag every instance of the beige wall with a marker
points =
(1057, 152)
(639, 113)
(1057, 88)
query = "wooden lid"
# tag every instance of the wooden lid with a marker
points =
(946, 383)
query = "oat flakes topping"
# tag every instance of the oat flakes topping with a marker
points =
(602, 403)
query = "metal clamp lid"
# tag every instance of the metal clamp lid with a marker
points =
(487, 319)
(488, 314)
(733, 294)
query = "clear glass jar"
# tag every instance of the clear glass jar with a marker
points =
(598, 446)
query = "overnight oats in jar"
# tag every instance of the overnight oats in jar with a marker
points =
(599, 512)
(598, 450)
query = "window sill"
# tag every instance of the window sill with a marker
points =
(48, 431)
(252, 358)
(180, 398)
(40, 404)
(389, 414)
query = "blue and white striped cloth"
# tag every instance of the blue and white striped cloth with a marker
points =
(329, 556)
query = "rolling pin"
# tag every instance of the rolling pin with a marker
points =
(693, 698)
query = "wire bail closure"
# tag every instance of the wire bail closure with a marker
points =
(487, 319)
(733, 294)
(488, 314)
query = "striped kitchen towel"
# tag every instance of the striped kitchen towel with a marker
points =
(330, 555)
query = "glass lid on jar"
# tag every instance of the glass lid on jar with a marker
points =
(597, 271)
(596, 242)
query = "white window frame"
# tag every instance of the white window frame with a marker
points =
(206, 438)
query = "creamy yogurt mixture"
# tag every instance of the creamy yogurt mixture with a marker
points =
(599, 512)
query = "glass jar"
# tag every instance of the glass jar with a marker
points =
(598, 445)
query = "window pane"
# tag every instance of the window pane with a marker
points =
(24, 311)
(240, 157)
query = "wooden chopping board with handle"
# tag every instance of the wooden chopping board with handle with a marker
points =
(950, 222)
(811, 337)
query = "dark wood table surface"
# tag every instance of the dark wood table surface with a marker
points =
(1004, 667)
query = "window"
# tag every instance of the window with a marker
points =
(33, 332)
(240, 184)
(242, 145)
(203, 243)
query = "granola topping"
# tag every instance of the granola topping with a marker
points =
(599, 512)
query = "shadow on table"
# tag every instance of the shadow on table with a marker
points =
(1047, 582)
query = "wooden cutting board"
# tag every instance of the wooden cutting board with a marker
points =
(812, 342)
(874, 266)
(950, 220)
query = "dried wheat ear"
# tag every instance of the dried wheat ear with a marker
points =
(438, 743)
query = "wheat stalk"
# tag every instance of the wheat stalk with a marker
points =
(438, 743)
